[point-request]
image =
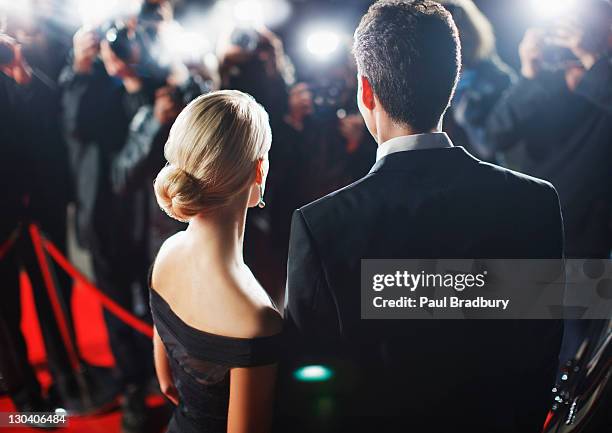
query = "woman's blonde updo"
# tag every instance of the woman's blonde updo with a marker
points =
(212, 152)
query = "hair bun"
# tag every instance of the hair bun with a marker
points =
(213, 148)
(178, 193)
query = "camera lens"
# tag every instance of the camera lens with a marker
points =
(120, 41)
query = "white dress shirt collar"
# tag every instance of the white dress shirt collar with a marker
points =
(430, 140)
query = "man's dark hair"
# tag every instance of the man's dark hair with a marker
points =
(410, 53)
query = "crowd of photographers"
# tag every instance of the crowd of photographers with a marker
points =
(86, 123)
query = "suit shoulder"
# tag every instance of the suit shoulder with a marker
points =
(518, 179)
(324, 205)
(522, 191)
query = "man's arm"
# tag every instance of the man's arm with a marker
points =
(309, 306)
(592, 49)
(86, 101)
(596, 84)
(518, 111)
(142, 153)
(474, 104)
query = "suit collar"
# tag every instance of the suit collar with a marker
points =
(443, 157)
(431, 140)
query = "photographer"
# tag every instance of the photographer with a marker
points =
(134, 168)
(16, 374)
(559, 116)
(253, 61)
(343, 148)
(559, 113)
(35, 180)
(111, 77)
(323, 118)
(484, 77)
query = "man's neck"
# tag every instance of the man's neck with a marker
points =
(388, 129)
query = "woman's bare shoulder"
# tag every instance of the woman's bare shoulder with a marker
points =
(166, 258)
(209, 298)
(268, 322)
(257, 316)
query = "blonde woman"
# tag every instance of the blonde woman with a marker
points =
(217, 332)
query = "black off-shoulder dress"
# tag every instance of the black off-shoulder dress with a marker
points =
(201, 363)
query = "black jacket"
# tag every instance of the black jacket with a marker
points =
(135, 167)
(35, 163)
(15, 154)
(97, 112)
(438, 376)
(564, 137)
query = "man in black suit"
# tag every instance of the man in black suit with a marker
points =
(425, 199)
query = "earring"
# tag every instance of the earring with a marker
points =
(261, 204)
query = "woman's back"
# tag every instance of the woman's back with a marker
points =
(217, 333)
(211, 320)
(194, 282)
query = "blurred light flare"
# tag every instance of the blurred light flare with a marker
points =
(552, 8)
(178, 43)
(248, 12)
(322, 43)
(211, 61)
(313, 373)
(111, 35)
(18, 8)
(95, 12)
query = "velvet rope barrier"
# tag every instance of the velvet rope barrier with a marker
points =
(6, 246)
(53, 298)
(121, 313)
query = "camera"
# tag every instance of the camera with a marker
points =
(332, 95)
(122, 41)
(553, 56)
(125, 41)
(593, 17)
(149, 18)
(246, 38)
(133, 47)
(327, 93)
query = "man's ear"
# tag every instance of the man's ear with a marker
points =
(367, 94)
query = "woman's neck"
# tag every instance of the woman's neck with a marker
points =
(221, 235)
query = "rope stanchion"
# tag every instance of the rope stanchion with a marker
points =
(53, 298)
(6, 246)
(122, 314)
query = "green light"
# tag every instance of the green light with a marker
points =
(313, 373)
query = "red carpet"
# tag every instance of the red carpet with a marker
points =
(93, 345)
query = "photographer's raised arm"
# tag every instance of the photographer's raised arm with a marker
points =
(82, 95)
(596, 84)
(86, 46)
(519, 109)
(591, 45)
(13, 62)
(142, 153)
